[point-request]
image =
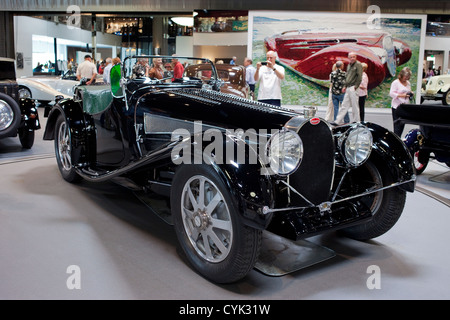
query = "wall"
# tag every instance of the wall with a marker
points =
(216, 52)
(439, 44)
(23, 38)
(185, 46)
(229, 44)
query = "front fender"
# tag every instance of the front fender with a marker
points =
(241, 173)
(81, 126)
(30, 116)
(389, 149)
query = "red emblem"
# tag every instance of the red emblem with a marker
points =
(314, 121)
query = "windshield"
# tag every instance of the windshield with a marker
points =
(168, 69)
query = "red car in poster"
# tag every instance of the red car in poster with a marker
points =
(312, 55)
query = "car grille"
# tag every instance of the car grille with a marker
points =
(314, 177)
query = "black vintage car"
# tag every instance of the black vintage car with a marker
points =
(17, 116)
(431, 140)
(231, 167)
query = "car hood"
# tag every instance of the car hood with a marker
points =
(215, 109)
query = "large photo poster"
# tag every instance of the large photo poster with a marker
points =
(309, 43)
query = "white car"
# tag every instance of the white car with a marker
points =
(437, 88)
(45, 89)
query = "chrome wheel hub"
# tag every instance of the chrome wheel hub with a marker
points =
(206, 219)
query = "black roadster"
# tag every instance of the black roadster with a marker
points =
(230, 167)
(18, 117)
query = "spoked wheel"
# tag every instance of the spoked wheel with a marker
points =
(386, 205)
(421, 159)
(25, 93)
(209, 227)
(9, 116)
(63, 150)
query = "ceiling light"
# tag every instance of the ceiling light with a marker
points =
(183, 21)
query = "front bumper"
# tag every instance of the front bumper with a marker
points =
(432, 96)
(300, 222)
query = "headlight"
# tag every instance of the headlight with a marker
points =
(441, 82)
(6, 115)
(356, 145)
(285, 152)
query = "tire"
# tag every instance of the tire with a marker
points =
(25, 93)
(63, 149)
(386, 205)
(215, 241)
(421, 159)
(10, 116)
(446, 98)
(26, 138)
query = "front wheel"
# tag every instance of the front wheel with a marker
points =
(63, 150)
(446, 98)
(209, 227)
(386, 205)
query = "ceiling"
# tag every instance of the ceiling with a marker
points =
(161, 6)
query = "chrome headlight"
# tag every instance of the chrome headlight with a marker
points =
(284, 151)
(356, 145)
(441, 83)
(6, 115)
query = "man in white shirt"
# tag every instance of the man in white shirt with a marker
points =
(107, 71)
(269, 75)
(87, 70)
(250, 74)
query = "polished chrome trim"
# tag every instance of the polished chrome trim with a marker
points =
(325, 205)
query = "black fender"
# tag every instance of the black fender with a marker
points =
(250, 188)
(30, 116)
(81, 127)
(389, 150)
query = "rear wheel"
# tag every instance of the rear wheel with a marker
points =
(25, 93)
(209, 227)
(386, 205)
(63, 150)
(9, 116)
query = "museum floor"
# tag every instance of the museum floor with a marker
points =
(123, 251)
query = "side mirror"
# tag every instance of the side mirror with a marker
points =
(116, 76)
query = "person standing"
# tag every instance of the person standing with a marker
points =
(250, 75)
(157, 72)
(337, 79)
(233, 61)
(87, 70)
(352, 82)
(141, 68)
(362, 91)
(269, 75)
(178, 68)
(107, 71)
(400, 93)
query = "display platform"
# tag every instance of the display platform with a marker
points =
(49, 228)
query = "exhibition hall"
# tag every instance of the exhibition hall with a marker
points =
(239, 155)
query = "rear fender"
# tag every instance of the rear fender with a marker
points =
(81, 126)
(389, 150)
